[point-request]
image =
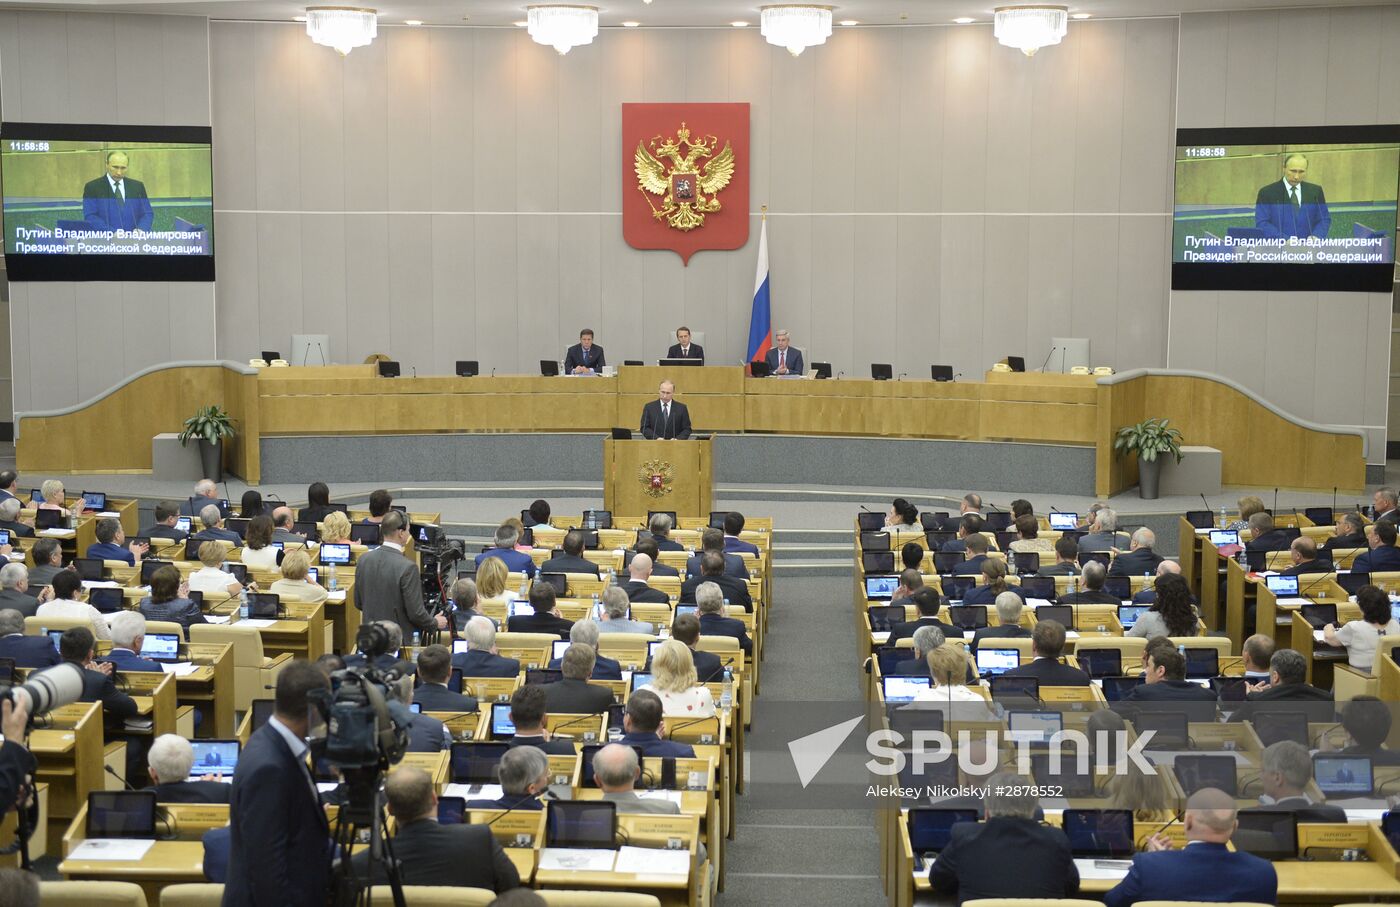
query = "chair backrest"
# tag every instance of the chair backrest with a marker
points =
(1194, 904)
(192, 895)
(1132, 647)
(1037, 902)
(164, 626)
(246, 641)
(566, 898)
(1221, 644)
(1387, 645)
(91, 894)
(433, 895)
(33, 626)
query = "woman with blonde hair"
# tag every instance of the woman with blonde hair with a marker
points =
(294, 584)
(1249, 505)
(947, 668)
(673, 680)
(519, 527)
(54, 498)
(212, 579)
(335, 528)
(491, 576)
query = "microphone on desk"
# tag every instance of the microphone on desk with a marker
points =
(493, 373)
(322, 351)
(901, 376)
(1275, 510)
(1046, 363)
(1334, 503)
(113, 772)
(414, 369)
(838, 375)
(1205, 501)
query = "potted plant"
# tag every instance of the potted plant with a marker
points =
(1149, 439)
(209, 426)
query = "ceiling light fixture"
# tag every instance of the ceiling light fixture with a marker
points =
(630, 24)
(298, 18)
(1029, 28)
(796, 27)
(738, 24)
(562, 26)
(342, 27)
(964, 20)
(848, 22)
(1081, 15)
(413, 22)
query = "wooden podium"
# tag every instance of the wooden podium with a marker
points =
(640, 476)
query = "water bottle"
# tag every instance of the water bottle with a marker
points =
(417, 639)
(1010, 561)
(726, 695)
(589, 520)
(1224, 518)
(330, 577)
(243, 603)
(525, 588)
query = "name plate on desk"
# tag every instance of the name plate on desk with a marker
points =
(111, 849)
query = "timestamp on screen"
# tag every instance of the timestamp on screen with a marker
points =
(1204, 152)
(19, 145)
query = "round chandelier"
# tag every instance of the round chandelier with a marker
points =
(342, 27)
(562, 27)
(795, 26)
(1029, 28)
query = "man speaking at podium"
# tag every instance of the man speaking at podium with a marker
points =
(665, 418)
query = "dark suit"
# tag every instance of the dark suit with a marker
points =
(736, 591)
(105, 208)
(280, 852)
(653, 745)
(127, 660)
(906, 629)
(694, 351)
(970, 567)
(15, 600)
(591, 358)
(659, 569)
(793, 361)
(1380, 559)
(217, 535)
(568, 563)
(1089, 597)
(1273, 540)
(715, 625)
(708, 667)
(510, 801)
(192, 506)
(666, 543)
(116, 705)
(388, 587)
(434, 697)
(315, 513)
(576, 697)
(1051, 673)
(43, 575)
(1198, 872)
(178, 610)
(1196, 701)
(1002, 632)
(162, 531)
(1289, 697)
(735, 545)
(29, 651)
(425, 734)
(1138, 562)
(603, 668)
(638, 591)
(193, 792)
(17, 528)
(550, 747)
(540, 623)
(515, 561)
(1313, 566)
(1064, 569)
(217, 843)
(655, 424)
(463, 856)
(984, 595)
(1357, 540)
(480, 663)
(733, 566)
(974, 864)
(1277, 215)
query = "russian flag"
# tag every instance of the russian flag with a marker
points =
(760, 320)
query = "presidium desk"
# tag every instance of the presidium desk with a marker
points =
(1259, 444)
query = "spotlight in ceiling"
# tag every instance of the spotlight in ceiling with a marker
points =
(1081, 15)
(737, 24)
(964, 20)
(630, 24)
(413, 22)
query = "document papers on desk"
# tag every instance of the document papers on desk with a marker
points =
(1102, 869)
(256, 622)
(475, 791)
(673, 795)
(570, 859)
(113, 849)
(217, 618)
(179, 668)
(653, 861)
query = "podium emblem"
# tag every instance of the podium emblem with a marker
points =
(656, 477)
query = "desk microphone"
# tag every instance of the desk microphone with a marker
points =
(1206, 502)
(414, 369)
(1044, 364)
(322, 351)
(1334, 503)
(113, 772)
(838, 375)
(493, 373)
(901, 376)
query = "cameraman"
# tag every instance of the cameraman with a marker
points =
(388, 585)
(16, 762)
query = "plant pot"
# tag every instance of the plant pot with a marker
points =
(1149, 478)
(211, 459)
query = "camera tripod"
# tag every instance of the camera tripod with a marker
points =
(364, 811)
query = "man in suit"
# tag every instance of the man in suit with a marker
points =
(169, 762)
(733, 590)
(1264, 537)
(1287, 690)
(572, 560)
(212, 520)
(1384, 504)
(205, 493)
(111, 544)
(708, 666)
(1287, 769)
(975, 553)
(637, 590)
(166, 514)
(1205, 869)
(1066, 559)
(1103, 533)
(1009, 606)
(9, 519)
(524, 775)
(1091, 593)
(426, 734)
(1048, 643)
(714, 620)
(432, 695)
(661, 525)
(78, 646)
(503, 547)
(14, 590)
(282, 522)
(385, 661)
(643, 724)
(1167, 683)
(969, 524)
(712, 539)
(481, 658)
(733, 525)
(1141, 560)
(280, 839)
(616, 769)
(546, 618)
(1291, 208)
(461, 855)
(782, 359)
(1351, 533)
(128, 633)
(928, 603)
(666, 418)
(1383, 556)
(1303, 553)
(649, 547)
(9, 485)
(528, 714)
(974, 864)
(615, 610)
(584, 357)
(1148, 594)
(585, 633)
(114, 201)
(574, 695)
(388, 585)
(48, 561)
(27, 651)
(683, 348)
(926, 639)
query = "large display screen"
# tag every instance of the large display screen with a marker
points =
(1299, 208)
(91, 202)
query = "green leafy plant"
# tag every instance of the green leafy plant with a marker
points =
(210, 424)
(1149, 439)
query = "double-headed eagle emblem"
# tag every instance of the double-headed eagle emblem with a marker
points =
(688, 191)
(656, 477)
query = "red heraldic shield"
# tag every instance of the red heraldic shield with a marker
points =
(685, 176)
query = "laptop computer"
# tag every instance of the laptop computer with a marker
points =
(1116, 688)
(880, 587)
(881, 371)
(95, 500)
(1169, 729)
(468, 368)
(1063, 772)
(1128, 614)
(549, 368)
(1273, 726)
(335, 554)
(903, 689)
(108, 601)
(1101, 662)
(1062, 521)
(941, 372)
(1201, 664)
(163, 647)
(121, 814)
(968, 617)
(1099, 834)
(1035, 728)
(389, 369)
(365, 533)
(1197, 771)
(475, 763)
(993, 661)
(581, 824)
(1343, 776)
(931, 829)
(884, 617)
(1267, 833)
(1282, 586)
(214, 757)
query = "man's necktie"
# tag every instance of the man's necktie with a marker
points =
(1293, 196)
(782, 359)
(121, 196)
